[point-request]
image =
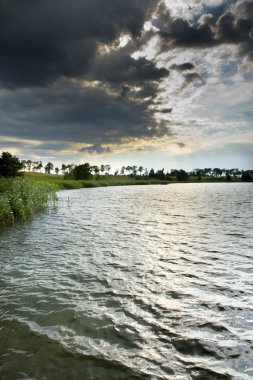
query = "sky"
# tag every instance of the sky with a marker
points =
(162, 84)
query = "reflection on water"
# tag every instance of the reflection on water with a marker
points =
(148, 282)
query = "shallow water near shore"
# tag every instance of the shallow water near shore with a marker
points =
(140, 282)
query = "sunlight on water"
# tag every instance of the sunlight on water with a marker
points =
(147, 282)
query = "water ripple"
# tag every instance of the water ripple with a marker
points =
(147, 282)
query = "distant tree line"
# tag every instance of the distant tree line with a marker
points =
(86, 171)
(10, 166)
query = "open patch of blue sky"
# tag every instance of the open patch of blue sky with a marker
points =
(229, 70)
(248, 76)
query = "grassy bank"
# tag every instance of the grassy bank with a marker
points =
(61, 184)
(20, 198)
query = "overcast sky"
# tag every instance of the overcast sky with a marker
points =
(160, 84)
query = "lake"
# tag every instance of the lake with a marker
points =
(138, 282)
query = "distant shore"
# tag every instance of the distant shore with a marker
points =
(111, 180)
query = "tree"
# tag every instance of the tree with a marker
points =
(107, 168)
(29, 165)
(129, 169)
(174, 172)
(56, 170)
(69, 167)
(207, 171)
(122, 171)
(40, 166)
(35, 166)
(102, 168)
(24, 164)
(49, 166)
(182, 175)
(235, 172)
(199, 173)
(217, 172)
(140, 170)
(134, 169)
(247, 176)
(228, 176)
(9, 165)
(151, 173)
(95, 169)
(160, 174)
(82, 171)
(63, 168)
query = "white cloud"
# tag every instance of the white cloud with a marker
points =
(188, 9)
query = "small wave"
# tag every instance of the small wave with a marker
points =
(195, 347)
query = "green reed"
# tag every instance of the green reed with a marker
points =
(21, 199)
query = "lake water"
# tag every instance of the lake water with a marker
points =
(140, 282)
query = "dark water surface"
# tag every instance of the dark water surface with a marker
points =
(147, 282)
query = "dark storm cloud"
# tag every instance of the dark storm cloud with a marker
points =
(177, 32)
(245, 12)
(191, 78)
(95, 149)
(41, 41)
(182, 67)
(69, 112)
(166, 110)
(118, 67)
(181, 34)
(51, 146)
(16, 144)
(234, 26)
(136, 79)
(66, 79)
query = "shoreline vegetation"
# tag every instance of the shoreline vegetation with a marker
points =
(21, 199)
(59, 182)
(23, 190)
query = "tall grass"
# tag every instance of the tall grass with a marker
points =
(21, 199)
(97, 181)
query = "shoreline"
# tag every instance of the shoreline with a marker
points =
(33, 191)
(65, 184)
